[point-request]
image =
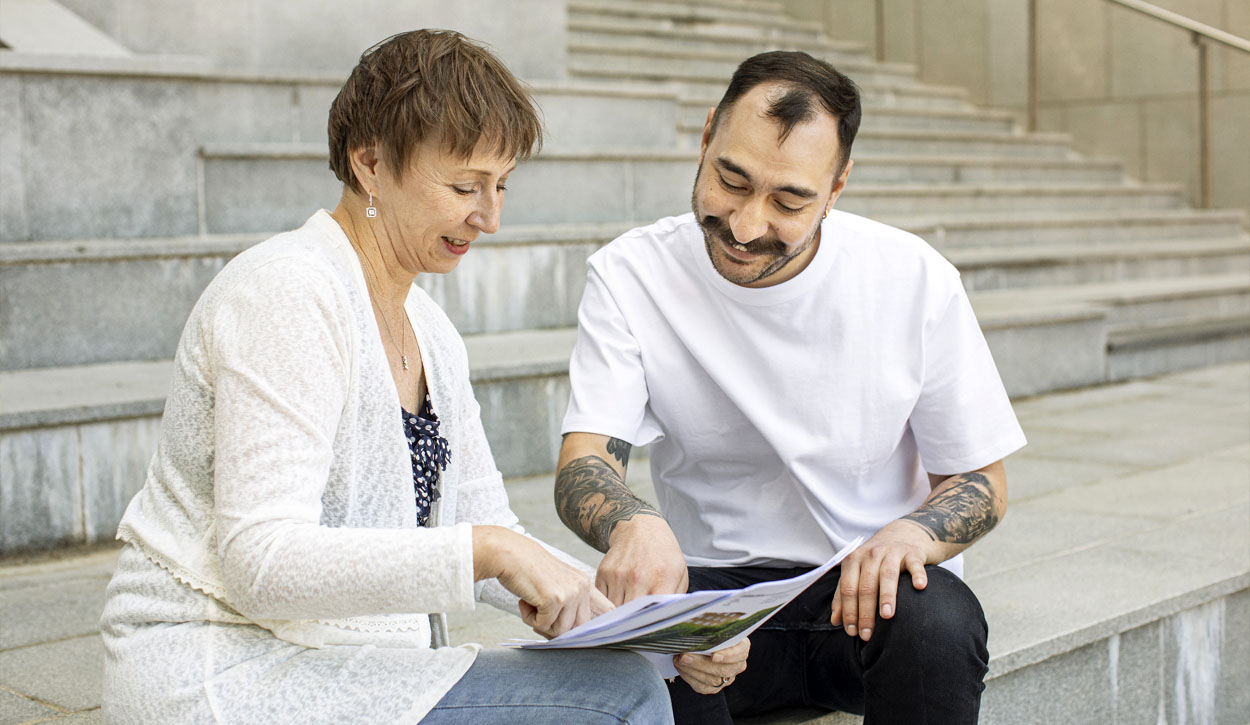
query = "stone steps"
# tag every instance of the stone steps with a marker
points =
(697, 84)
(691, 15)
(1106, 582)
(526, 276)
(114, 407)
(984, 269)
(261, 187)
(584, 31)
(875, 200)
(692, 114)
(660, 62)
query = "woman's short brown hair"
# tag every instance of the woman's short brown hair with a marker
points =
(430, 84)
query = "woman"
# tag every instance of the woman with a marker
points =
(322, 480)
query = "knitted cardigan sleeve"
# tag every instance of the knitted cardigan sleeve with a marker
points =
(281, 350)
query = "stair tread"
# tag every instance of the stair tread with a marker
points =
(1041, 253)
(605, 25)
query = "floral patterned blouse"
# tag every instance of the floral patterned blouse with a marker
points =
(430, 456)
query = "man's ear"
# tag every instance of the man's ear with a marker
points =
(707, 133)
(839, 185)
(366, 165)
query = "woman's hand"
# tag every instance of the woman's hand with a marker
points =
(709, 674)
(555, 597)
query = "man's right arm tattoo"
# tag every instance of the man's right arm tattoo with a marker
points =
(592, 498)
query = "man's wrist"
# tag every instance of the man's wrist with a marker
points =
(641, 520)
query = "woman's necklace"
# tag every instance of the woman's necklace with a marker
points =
(403, 345)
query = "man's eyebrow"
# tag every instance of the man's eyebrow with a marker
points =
(800, 191)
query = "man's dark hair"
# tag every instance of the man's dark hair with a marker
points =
(805, 80)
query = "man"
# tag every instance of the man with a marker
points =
(807, 376)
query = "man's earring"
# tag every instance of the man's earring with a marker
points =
(370, 211)
(826, 216)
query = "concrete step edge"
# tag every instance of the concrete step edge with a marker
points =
(678, 74)
(609, 48)
(319, 151)
(227, 245)
(81, 393)
(1006, 662)
(930, 223)
(975, 257)
(137, 388)
(1030, 189)
(194, 68)
(1121, 292)
(806, 41)
(690, 12)
(1146, 335)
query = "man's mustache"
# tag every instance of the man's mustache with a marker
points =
(760, 245)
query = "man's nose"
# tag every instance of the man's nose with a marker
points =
(748, 222)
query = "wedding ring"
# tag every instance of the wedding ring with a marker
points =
(723, 681)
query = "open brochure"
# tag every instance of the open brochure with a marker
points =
(704, 621)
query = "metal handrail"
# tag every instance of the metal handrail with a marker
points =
(1201, 34)
(1180, 21)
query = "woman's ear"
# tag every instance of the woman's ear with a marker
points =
(366, 165)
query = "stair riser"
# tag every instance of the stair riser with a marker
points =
(1072, 273)
(665, 68)
(694, 115)
(1037, 358)
(684, 11)
(85, 184)
(643, 43)
(970, 203)
(1187, 667)
(1166, 358)
(68, 485)
(1078, 233)
(988, 146)
(73, 313)
(261, 195)
(498, 287)
(142, 304)
(871, 96)
(868, 172)
(766, 29)
(1214, 304)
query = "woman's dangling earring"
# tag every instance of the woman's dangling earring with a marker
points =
(370, 211)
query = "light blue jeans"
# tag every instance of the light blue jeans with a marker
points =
(532, 687)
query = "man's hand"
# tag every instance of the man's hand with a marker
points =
(869, 582)
(960, 509)
(709, 674)
(641, 554)
(643, 558)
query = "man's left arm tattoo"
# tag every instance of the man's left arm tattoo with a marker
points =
(960, 514)
(619, 450)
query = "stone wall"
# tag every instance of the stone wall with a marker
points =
(1123, 84)
(327, 35)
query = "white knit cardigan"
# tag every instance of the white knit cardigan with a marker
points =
(282, 485)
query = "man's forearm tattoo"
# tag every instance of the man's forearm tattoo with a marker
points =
(960, 514)
(619, 450)
(591, 499)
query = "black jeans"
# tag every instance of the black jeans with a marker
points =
(925, 665)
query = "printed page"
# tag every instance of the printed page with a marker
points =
(694, 622)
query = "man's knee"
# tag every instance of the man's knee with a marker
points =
(944, 614)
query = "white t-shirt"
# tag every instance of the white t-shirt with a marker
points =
(790, 419)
